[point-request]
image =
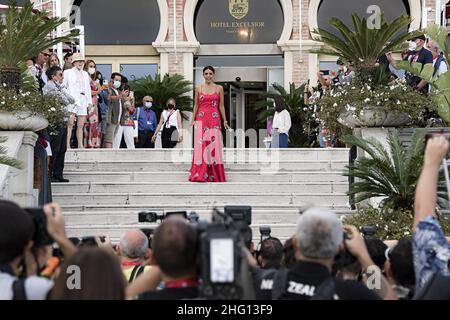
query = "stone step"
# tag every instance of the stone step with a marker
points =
(199, 208)
(259, 216)
(189, 187)
(149, 165)
(164, 199)
(182, 176)
(185, 155)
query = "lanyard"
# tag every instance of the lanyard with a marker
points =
(182, 283)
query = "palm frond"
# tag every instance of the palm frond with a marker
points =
(5, 159)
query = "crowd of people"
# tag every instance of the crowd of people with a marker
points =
(421, 50)
(100, 113)
(324, 260)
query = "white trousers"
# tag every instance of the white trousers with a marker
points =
(128, 133)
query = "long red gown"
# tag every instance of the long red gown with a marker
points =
(207, 161)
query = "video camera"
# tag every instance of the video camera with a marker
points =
(152, 217)
(222, 244)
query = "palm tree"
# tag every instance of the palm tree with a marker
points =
(363, 47)
(162, 89)
(303, 124)
(24, 33)
(4, 159)
(387, 173)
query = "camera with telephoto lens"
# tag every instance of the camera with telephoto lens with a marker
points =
(152, 217)
(368, 232)
(223, 262)
(41, 236)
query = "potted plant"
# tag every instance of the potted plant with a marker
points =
(24, 33)
(392, 173)
(371, 98)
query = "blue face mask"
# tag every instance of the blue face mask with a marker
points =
(117, 84)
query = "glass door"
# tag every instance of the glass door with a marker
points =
(236, 116)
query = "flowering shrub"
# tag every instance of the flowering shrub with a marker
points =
(390, 224)
(30, 103)
(395, 97)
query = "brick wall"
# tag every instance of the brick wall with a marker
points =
(300, 72)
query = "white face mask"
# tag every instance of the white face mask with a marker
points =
(412, 46)
(79, 66)
(148, 104)
(91, 71)
(117, 84)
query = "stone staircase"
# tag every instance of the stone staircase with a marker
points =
(108, 188)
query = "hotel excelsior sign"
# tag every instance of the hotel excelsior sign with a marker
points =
(238, 21)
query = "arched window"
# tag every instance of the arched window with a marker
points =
(116, 22)
(343, 10)
(238, 21)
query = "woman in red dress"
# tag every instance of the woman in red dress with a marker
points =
(207, 163)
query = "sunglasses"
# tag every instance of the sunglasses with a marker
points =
(45, 54)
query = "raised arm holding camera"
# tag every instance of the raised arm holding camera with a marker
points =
(431, 249)
(26, 237)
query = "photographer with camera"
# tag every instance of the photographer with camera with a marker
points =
(175, 249)
(133, 251)
(431, 249)
(269, 259)
(25, 245)
(319, 238)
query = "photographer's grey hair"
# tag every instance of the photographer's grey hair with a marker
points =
(134, 248)
(319, 233)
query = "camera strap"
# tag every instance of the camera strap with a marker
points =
(136, 272)
(18, 288)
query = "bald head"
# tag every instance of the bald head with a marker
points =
(134, 244)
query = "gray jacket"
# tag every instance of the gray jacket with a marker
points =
(55, 89)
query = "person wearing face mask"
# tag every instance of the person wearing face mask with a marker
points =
(77, 81)
(147, 120)
(171, 123)
(91, 126)
(114, 113)
(125, 129)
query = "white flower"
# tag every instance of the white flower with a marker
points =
(335, 104)
(366, 100)
(52, 109)
(353, 88)
(398, 102)
(4, 84)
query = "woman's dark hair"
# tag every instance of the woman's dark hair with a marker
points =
(209, 68)
(280, 104)
(100, 277)
(125, 87)
(288, 259)
(16, 231)
(174, 101)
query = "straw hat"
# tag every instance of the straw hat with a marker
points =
(77, 57)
